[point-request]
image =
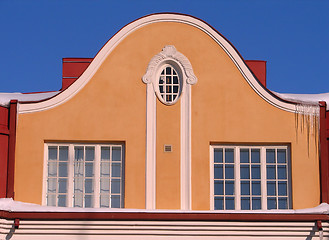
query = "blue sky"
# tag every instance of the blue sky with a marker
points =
(291, 35)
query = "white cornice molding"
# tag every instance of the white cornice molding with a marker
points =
(128, 29)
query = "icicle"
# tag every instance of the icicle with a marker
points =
(307, 118)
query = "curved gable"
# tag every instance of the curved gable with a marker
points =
(130, 28)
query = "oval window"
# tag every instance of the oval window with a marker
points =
(169, 85)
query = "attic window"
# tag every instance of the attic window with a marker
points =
(169, 85)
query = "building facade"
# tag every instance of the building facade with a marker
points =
(166, 117)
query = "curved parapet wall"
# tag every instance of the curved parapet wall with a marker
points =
(130, 28)
(109, 104)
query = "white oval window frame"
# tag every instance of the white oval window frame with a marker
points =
(178, 70)
(169, 56)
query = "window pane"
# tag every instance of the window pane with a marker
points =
(218, 155)
(52, 153)
(271, 203)
(105, 185)
(255, 172)
(282, 172)
(270, 172)
(78, 185)
(245, 188)
(218, 171)
(229, 188)
(219, 203)
(89, 169)
(245, 203)
(105, 153)
(256, 188)
(89, 187)
(168, 70)
(229, 203)
(52, 182)
(244, 156)
(116, 154)
(271, 188)
(229, 155)
(161, 81)
(282, 156)
(115, 186)
(63, 153)
(51, 200)
(176, 81)
(78, 200)
(255, 155)
(62, 186)
(105, 201)
(175, 89)
(283, 203)
(244, 172)
(219, 188)
(229, 171)
(270, 155)
(116, 169)
(90, 153)
(88, 201)
(256, 203)
(62, 200)
(115, 201)
(282, 188)
(52, 169)
(62, 171)
(78, 169)
(78, 155)
(105, 169)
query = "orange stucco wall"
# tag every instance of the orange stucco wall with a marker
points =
(112, 107)
(168, 163)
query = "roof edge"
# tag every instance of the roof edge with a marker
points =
(133, 26)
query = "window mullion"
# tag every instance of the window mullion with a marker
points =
(237, 179)
(97, 176)
(289, 192)
(45, 177)
(212, 177)
(70, 175)
(263, 177)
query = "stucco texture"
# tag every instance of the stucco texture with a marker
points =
(112, 108)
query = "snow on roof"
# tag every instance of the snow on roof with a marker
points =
(305, 98)
(8, 204)
(6, 97)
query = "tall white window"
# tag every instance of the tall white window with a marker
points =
(84, 175)
(250, 177)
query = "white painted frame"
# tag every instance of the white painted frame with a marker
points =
(263, 173)
(179, 85)
(168, 56)
(97, 160)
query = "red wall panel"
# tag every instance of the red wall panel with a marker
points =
(3, 164)
(4, 132)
